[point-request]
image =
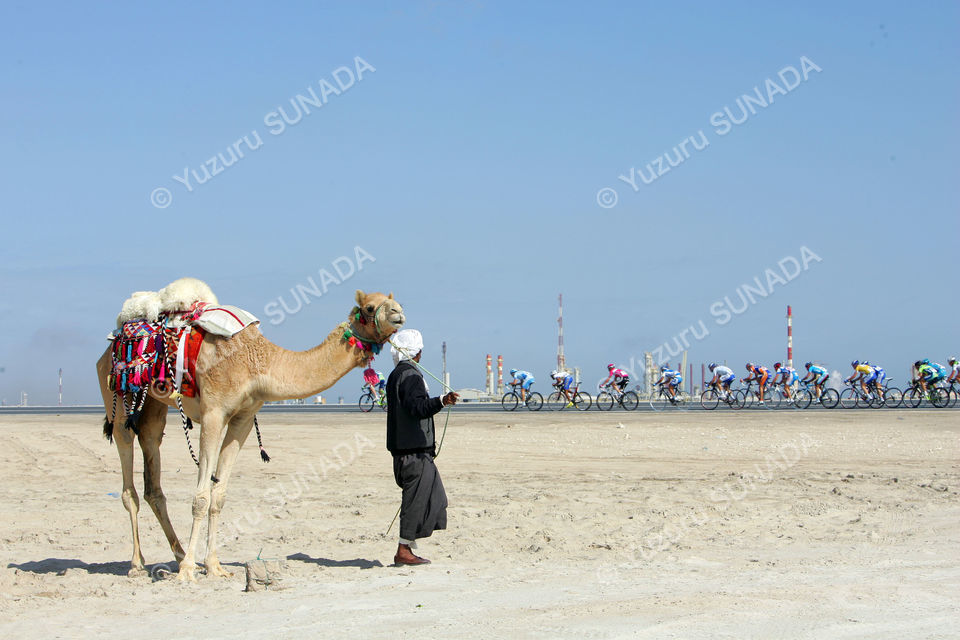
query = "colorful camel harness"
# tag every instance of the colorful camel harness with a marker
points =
(162, 356)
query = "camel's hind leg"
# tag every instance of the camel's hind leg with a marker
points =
(152, 421)
(124, 439)
(237, 432)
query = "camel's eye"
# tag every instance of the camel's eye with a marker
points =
(369, 308)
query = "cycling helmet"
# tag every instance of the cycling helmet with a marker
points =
(808, 365)
(554, 373)
(611, 367)
(712, 366)
(855, 363)
(749, 366)
(663, 367)
(951, 360)
(777, 365)
(925, 361)
(513, 372)
(917, 364)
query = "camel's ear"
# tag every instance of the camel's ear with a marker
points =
(360, 296)
(390, 297)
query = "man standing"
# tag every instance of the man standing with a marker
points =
(410, 438)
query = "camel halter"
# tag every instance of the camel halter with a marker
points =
(350, 330)
(446, 420)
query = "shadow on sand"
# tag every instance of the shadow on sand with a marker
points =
(325, 562)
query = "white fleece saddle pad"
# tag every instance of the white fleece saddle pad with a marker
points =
(225, 320)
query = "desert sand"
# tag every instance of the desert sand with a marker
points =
(842, 524)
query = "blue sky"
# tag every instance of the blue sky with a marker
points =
(468, 165)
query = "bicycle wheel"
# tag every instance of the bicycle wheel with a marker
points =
(366, 403)
(774, 399)
(864, 402)
(744, 399)
(913, 398)
(829, 398)
(582, 400)
(604, 401)
(709, 399)
(555, 402)
(939, 397)
(510, 401)
(681, 401)
(892, 397)
(848, 399)
(534, 401)
(802, 399)
(629, 401)
(954, 396)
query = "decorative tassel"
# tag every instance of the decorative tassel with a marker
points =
(189, 424)
(133, 422)
(263, 454)
(107, 429)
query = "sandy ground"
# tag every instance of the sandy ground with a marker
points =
(672, 525)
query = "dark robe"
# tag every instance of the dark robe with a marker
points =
(410, 438)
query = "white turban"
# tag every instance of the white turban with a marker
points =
(407, 343)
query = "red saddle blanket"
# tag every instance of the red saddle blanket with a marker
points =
(145, 354)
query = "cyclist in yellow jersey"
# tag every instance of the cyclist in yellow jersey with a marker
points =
(862, 372)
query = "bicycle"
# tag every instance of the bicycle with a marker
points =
(658, 400)
(581, 399)
(777, 396)
(610, 393)
(829, 398)
(747, 396)
(714, 395)
(892, 396)
(367, 401)
(853, 396)
(511, 399)
(937, 396)
(954, 392)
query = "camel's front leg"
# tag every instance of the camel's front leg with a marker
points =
(210, 430)
(152, 422)
(237, 433)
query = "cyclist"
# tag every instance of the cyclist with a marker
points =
(879, 377)
(375, 382)
(672, 379)
(787, 375)
(562, 381)
(523, 378)
(816, 374)
(929, 373)
(863, 372)
(619, 377)
(954, 371)
(724, 375)
(759, 373)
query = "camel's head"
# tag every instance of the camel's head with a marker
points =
(381, 315)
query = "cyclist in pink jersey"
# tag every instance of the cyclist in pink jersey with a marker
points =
(619, 377)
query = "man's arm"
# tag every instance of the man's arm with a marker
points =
(413, 397)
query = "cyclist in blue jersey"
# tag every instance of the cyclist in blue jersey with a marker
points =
(954, 370)
(816, 374)
(562, 380)
(671, 380)
(787, 375)
(878, 378)
(724, 375)
(525, 380)
(929, 373)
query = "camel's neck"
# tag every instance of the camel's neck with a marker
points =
(299, 374)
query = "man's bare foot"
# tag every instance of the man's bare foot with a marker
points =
(405, 556)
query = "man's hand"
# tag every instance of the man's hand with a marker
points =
(450, 398)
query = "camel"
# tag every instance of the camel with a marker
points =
(235, 376)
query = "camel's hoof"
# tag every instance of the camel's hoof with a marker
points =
(186, 575)
(217, 570)
(136, 572)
